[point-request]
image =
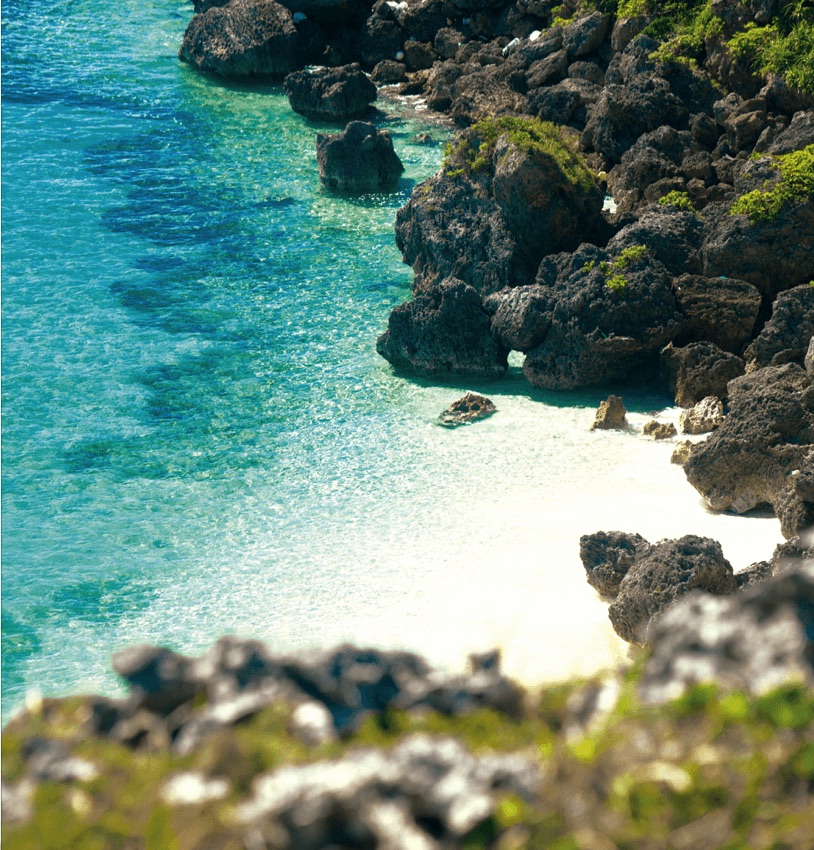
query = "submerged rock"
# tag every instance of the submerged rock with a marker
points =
(470, 408)
(330, 94)
(245, 38)
(359, 159)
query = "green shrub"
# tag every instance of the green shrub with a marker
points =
(617, 283)
(473, 151)
(679, 200)
(796, 185)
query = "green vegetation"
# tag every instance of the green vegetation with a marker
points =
(795, 185)
(784, 47)
(629, 255)
(474, 149)
(617, 283)
(734, 768)
(612, 272)
(679, 200)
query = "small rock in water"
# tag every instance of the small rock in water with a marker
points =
(681, 453)
(611, 414)
(470, 408)
(659, 430)
(359, 159)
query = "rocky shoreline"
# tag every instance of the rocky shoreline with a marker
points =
(700, 281)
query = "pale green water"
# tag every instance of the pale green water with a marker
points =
(198, 435)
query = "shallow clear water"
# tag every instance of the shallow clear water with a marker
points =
(198, 436)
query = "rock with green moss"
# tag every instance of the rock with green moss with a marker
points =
(511, 191)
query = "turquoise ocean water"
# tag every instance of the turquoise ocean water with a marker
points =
(198, 436)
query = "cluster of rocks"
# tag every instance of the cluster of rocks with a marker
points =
(236, 679)
(641, 580)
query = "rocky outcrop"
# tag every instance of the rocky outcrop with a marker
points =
(607, 313)
(607, 556)
(768, 254)
(699, 370)
(359, 159)
(443, 331)
(764, 438)
(510, 193)
(662, 573)
(611, 415)
(703, 417)
(752, 641)
(787, 335)
(469, 408)
(681, 452)
(245, 38)
(718, 310)
(330, 94)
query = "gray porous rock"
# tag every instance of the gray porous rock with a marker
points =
(699, 370)
(469, 408)
(519, 318)
(359, 159)
(664, 572)
(809, 358)
(754, 640)
(600, 332)
(443, 331)
(672, 238)
(607, 556)
(585, 35)
(423, 793)
(330, 94)
(773, 255)
(766, 435)
(718, 310)
(624, 112)
(703, 417)
(786, 337)
(245, 38)
(611, 415)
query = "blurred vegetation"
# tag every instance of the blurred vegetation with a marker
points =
(712, 769)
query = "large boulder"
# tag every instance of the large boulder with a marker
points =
(359, 159)
(704, 417)
(698, 370)
(754, 640)
(774, 254)
(330, 94)
(786, 336)
(511, 191)
(608, 313)
(443, 331)
(664, 572)
(766, 435)
(245, 38)
(718, 310)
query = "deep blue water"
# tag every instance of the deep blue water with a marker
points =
(198, 436)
